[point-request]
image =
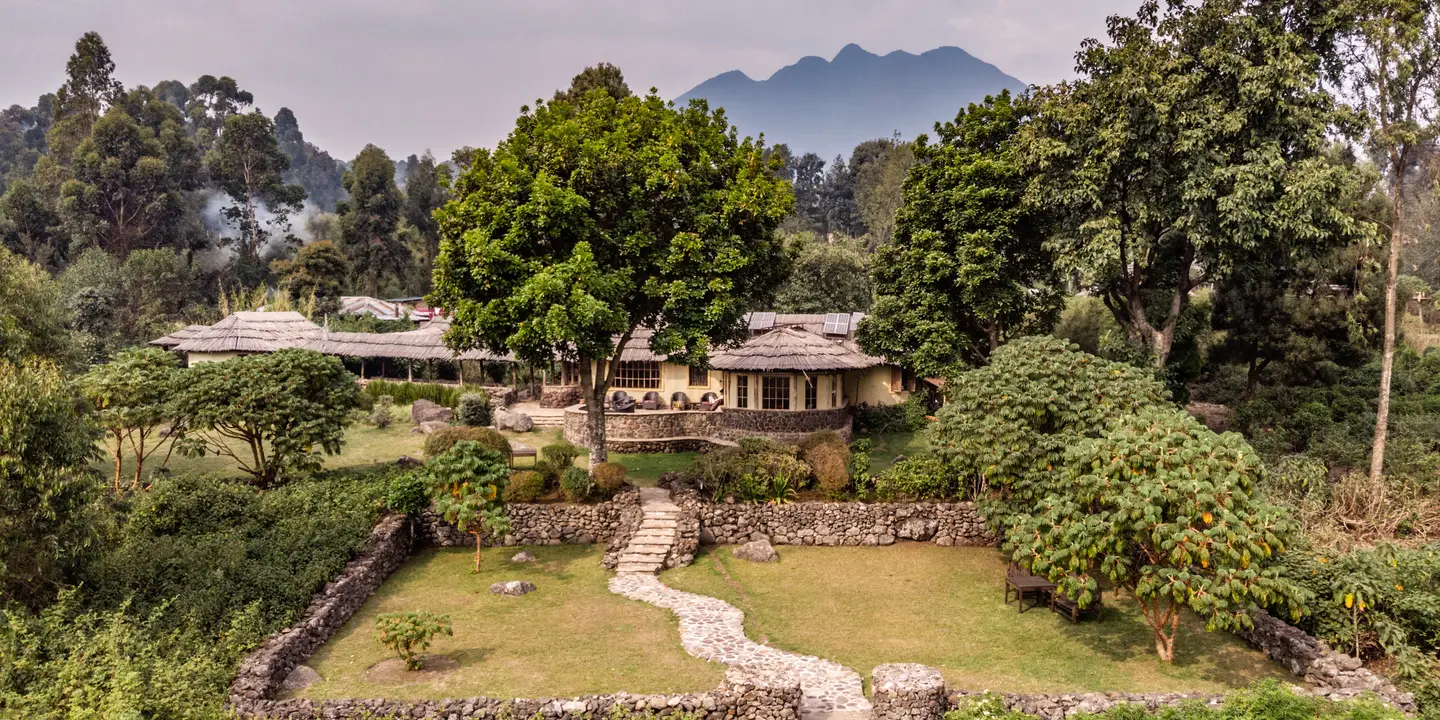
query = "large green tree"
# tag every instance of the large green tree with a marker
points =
(968, 267)
(90, 89)
(600, 217)
(30, 226)
(828, 277)
(425, 192)
(370, 220)
(310, 167)
(604, 76)
(132, 397)
(33, 318)
(1194, 136)
(248, 165)
(1166, 510)
(318, 269)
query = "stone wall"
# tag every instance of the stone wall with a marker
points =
(537, 524)
(843, 523)
(671, 445)
(262, 671)
(740, 697)
(907, 691)
(626, 526)
(648, 425)
(784, 425)
(1335, 675)
(559, 396)
(687, 528)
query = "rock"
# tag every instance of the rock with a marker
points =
(423, 411)
(514, 588)
(431, 426)
(513, 420)
(408, 463)
(756, 551)
(917, 529)
(301, 677)
(524, 556)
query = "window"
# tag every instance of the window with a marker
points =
(775, 392)
(812, 393)
(834, 391)
(742, 391)
(637, 374)
(897, 380)
(699, 377)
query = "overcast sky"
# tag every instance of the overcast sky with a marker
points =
(414, 74)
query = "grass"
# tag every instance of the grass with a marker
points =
(942, 607)
(569, 637)
(890, 445)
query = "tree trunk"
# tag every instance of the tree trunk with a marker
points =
(119, 460)
(139, 461)
(479, 542)
(1387, 362)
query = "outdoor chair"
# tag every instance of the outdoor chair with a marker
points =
(1071, 610)
(1023, 585)
(679, 401)
(651, 401)
(621, 402)
(710, 401)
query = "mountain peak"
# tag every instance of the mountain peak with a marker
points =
(829, 107)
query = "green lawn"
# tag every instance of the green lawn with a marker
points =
(889, 445)
(569, 637)
(923, 603)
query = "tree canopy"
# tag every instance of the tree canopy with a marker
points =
(370, 219)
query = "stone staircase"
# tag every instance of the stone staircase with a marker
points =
(652, 542)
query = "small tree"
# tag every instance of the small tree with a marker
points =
(132, 396)
(409, 634)
(468, 484)
(271, 414)
(1164, 508)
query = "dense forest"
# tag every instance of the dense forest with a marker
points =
(1233, 204)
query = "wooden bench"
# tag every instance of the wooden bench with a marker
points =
(519, 450)
(1071, 610)
(1024, 585)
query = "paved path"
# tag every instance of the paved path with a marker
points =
(713, 629)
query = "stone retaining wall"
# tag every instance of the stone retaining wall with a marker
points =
(740, 698)
(559, 396)
(784, 425)
(843, 523)
(668, 445)
(645, 425)
(626, 527)
(907, 691)
(1335, 675)
(687, 430)
(262, 671)
(535, 524)
(687, 528)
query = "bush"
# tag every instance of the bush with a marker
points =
(562, 453)
(763, 445)
(380, 415)
(409, 633)
(473, 409)
(829, 460)
(908, 416)
(549, 471)
(609, 478)
(576, 484)
(525, 486)
(406, 493)
(406, 393)
(445, 438)
(924, 477)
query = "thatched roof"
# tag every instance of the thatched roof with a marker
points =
(793, 349)
(375, 307)
(426, 343)
(177, 337)
(252, 332)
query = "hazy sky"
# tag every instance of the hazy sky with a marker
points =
(414, 74)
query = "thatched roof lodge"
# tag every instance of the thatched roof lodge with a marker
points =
(175, 338)
(425, 343)
(793, 349)
(246, 333)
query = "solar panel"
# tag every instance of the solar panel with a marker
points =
(837, 324)
(761, 321)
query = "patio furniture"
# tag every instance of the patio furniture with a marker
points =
(621, 402)
(651, 401)
(679, 401)
(1071, 610)
(519, 450)
(710, 401)
(1024, 585)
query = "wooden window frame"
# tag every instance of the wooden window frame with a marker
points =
(776, 395)
(742, 391)
(705, 377)
(812, 392)
(627, 377)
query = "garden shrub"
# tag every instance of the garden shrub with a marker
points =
(408, 634)
(473, 409)
(380, 411)
(468, 483)
(609, 478)
(924, 477)
(445, 438)
(406, 493)
(830, 465)
(576, 484)
(757, 445)
(549, 472)
(908, 416)
(406, 393)
(562, 454)
(525, 486)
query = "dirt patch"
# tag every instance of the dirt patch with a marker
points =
(391, 671)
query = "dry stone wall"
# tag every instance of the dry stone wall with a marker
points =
(1333, 674)
(784, 425)
(541, 524)
(639, 431)
(739, 697)
(843, 523)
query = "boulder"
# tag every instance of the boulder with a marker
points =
(408, 463)
(514, 588)
(513, 420)
(756, 551)
(423, 411)
(917, 529)
(431, 426)
(301, 677)
(524, 556)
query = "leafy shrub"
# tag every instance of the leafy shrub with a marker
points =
(743, 472)
(609, 478)
(576, 484)
(830, 464)
(763, 445)
(445, 438)
(406, 393)
(409, 633)
(525, 486)
(473, 409)
(380, 412)
(776, 489)
(468, 484)
(908, 416)
(562, 453)
(549, 472)
(924, 477)
(406, 493)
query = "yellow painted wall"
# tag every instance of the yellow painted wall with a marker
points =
(823, 398)
(196, 358)
(676, 378)
(872, 387)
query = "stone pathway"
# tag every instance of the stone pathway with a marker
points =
(714, 630)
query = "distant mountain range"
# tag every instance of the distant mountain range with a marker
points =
(828, 107)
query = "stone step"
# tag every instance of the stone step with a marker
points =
(651, 537)
(637, 569)
(673, 510)
(647, 549)
(651, 560)
(658, 523)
